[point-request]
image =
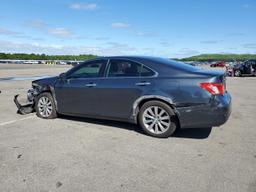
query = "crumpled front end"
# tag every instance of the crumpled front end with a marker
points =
(27, 108)
(38, 86)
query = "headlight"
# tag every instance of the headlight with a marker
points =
(33, 92)
(30, 95)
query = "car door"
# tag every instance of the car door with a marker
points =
(122, 85)
(75, 94)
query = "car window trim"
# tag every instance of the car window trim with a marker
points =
(141, 64)
(101, 72)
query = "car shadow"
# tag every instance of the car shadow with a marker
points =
(117, 124)
(192, 133)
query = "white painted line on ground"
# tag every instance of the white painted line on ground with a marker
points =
(14, 121)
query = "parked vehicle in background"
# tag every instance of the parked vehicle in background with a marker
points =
(246, 68)
(62, 62)
(229, 67)
(73, 63)
(218, 64)
(30, 62)
(229, 71)
(159, 94)
(18, 62)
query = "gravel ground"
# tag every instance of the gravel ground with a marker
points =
(78, 154)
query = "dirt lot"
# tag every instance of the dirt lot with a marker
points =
(74, 154)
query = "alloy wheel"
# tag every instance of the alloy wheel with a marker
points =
(156, 119)
(237, 73)
(45, 107)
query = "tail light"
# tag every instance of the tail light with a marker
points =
(213, 88)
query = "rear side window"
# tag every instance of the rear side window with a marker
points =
(125, 68)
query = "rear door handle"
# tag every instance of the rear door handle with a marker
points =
(90, 85)
(142, 83)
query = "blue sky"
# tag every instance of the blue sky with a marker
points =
(169, 28)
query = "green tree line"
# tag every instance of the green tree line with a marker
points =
(32, 56)
(220, 57)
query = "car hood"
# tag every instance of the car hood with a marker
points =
(45, 81)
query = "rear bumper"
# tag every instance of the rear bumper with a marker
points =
(215, 113)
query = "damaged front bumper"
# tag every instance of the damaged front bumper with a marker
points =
(29, 106)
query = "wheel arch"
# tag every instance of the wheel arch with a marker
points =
(49, 89)
(142, 100)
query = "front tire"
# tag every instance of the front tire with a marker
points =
(238, 73)
(45, 106)
(157, 119)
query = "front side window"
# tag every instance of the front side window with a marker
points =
(88, 70)
(124, 68)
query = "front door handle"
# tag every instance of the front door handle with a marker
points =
(142, 83)
(90, 85)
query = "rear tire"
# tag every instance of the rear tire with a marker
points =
(157, 119)
(45, 106)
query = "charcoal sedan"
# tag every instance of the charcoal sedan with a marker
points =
(159, 94)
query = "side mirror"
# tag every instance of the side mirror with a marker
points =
(62, 76)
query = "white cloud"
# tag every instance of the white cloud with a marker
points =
(4, 31)
(110, 48)
(165, 43)
(120, 25)
(249, 45)
(8, 32)
(236, 34)
(141, 34)
(22, 47)
(114, 48)
(209, 42)
(59, 32)
(186, 52)
(83, 6)
(99, 38)
(36, 23)
(146, 34)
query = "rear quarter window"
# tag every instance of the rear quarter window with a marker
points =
(146, 72)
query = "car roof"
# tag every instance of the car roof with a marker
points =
(129, 57)
(155, 62)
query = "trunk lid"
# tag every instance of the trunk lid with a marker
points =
(217, 76)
